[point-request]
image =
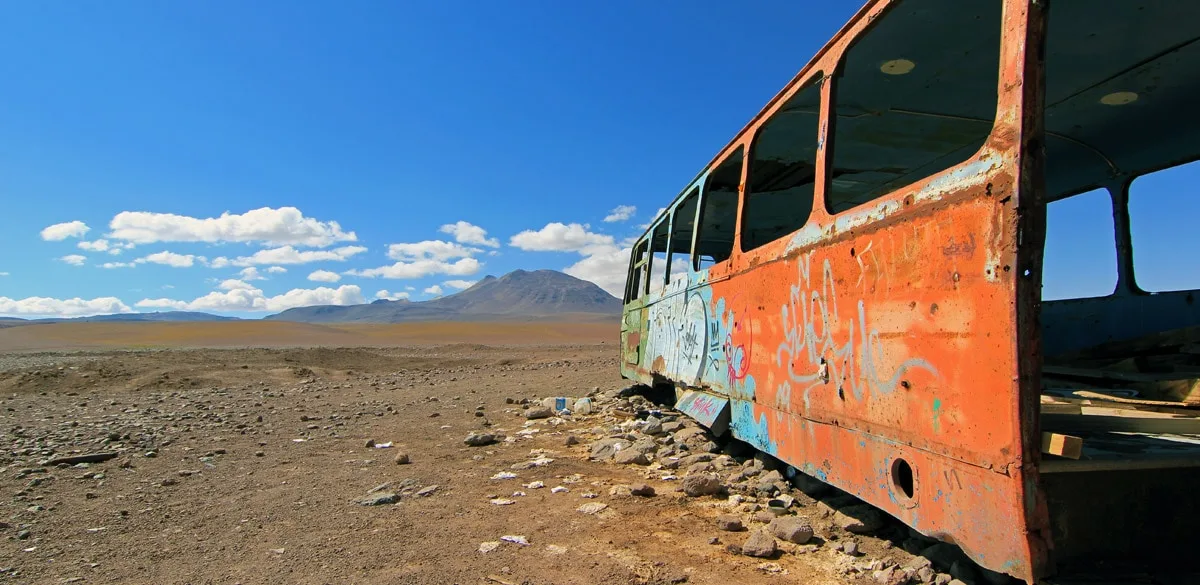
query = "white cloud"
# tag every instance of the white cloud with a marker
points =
(391, 296)
(3, 274)
(117, 265)
(620, 213)
(421, 268)
(467, 233)
(235, 284)
(248, 298)
(168, 286)
(276, 270)
(49, 307)
(434, 290)
(430, 250)
(286, 225)
(410, 288)
(652, 218)
(94, 246)
(558, 237)
(74, 259)
(288, 255)
(324, 276)
(62, 231)
(170, 259)
(606, 266)
(250, 273)
(460, 284)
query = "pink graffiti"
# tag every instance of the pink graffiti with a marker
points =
(738, 344)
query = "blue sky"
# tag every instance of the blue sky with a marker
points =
(368, 149)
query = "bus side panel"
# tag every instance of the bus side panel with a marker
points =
(880, 361)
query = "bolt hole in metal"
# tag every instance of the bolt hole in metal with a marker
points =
(902, 479)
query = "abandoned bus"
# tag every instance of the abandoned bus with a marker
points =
(853, 284)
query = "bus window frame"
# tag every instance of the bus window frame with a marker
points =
(736, 251)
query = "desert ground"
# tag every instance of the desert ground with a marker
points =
(285, 453)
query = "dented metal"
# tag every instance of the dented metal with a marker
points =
(884, 336)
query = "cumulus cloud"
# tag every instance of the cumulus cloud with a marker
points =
(460, 284)
(467, 233)
(117, 265)
(391, 296)
(94, 245)
(62, 231)
(324, 276)
(250, 273)
(290, 255)
(240, 298)
(235, 284)
(170, 259)
(434, 290)
(276, 270)
(285, 225)
(429, 250)
(74, 259)
(420, 269)
(607, 267)
(620, 213)
(50, 307)
(3, 274)
(559, 237)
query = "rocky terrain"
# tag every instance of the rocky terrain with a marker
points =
(436, 464)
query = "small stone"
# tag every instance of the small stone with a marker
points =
(168, 481)
(644, 490)
(479, 439)
(653, 426)
(151, 454)
(379, 499)
(23, 535)
(605, 449)
(630, 457)
(714, 540)
(792, 529)
(487, 547)
(592, 508)
(851, 548)
(760, 544)
(402, 458)
(571, 441)
(942, 579)
(537, 412)
(427, 491)
(730, 523)
(259, 454)
(370, 443)
(859, 519)
(704, 484)
(926, 574)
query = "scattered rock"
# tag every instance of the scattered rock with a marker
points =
(760, 544)
(630, 457)
(402, 458)
(605, 449)
(479, 439)
(571, 441)
(653, 426)
(592, 508)
(489, 546)
(703, 484)
(730, 523)
(644, 490)
(859, 519)
(537, 412)
(370, 443)
(851, 548)
(427, 491)
(515, 539)
(379, 499)
(792, 529)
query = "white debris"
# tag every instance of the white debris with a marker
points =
(489, 546)
(505, 475)
(518, 494)
(503, 501)
(558, 490)
(387, 445)
(533, 485)
(515, 539)
(588, 495)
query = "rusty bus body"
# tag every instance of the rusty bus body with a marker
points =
(889, 340)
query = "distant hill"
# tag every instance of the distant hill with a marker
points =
(518, 295)
(171, 316)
